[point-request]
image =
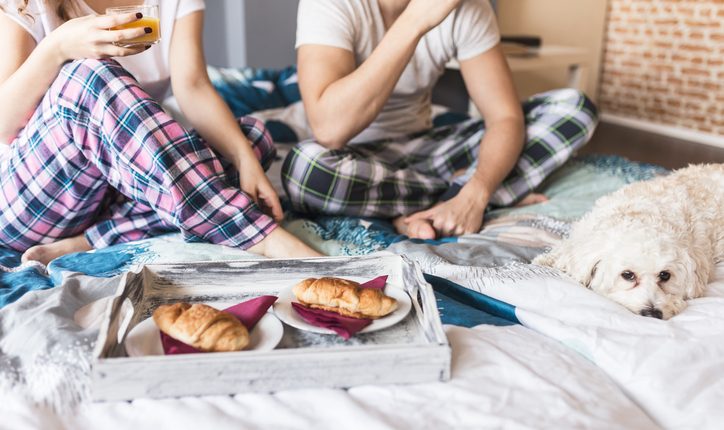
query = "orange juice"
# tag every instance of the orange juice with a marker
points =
(152, 37)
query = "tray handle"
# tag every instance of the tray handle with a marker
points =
(119, 315)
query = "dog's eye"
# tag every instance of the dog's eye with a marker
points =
(664, 276)
(628, 275)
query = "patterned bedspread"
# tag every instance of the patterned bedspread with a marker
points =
(510, 239)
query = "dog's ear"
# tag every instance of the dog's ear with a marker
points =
(578, 259)
(695, 269)
(592, 275)
(582, 265)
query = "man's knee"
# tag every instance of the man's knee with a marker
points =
(576, 103)
(573, 115)
(585, 112)
(309, 169)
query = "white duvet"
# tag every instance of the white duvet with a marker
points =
(503, 377)
(673, 369)
(581, 362)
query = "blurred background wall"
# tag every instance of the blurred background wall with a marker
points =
(257, 33)
(664, 63)
(576, 23)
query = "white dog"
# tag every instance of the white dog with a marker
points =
(650, 245)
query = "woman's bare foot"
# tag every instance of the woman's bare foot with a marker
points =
(532, 199)
(418, 229)
(282, 244)
(46, 253)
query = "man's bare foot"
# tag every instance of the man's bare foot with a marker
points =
(418, 229)
(46, 253)
(532, 199)
(282, 244)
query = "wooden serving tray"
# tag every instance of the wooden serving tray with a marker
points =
(414, 350)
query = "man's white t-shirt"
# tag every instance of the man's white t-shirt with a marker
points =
(358, 26)
(151, 68)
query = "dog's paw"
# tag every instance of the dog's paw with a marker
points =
(671, 306)
(546, 259)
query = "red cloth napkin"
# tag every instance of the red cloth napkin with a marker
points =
(248, 312)
(346, 327)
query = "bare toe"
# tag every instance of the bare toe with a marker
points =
(417, 229)
(46, 253)
(421, 229)
(532, 199)
(400, 225)
(36, 253)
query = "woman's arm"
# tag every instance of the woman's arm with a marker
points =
(209, 114)
(28, 86)
(27, 70)
(490, 85)
(340, 100)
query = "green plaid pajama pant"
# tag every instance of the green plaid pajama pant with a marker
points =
(400, 176)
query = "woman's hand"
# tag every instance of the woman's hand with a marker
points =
(90, 37)
(253, 181)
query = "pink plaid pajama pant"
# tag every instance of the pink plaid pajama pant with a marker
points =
(99, 156)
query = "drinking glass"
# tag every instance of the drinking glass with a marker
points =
(150, 19)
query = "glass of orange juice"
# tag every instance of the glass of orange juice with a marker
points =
(150, 19)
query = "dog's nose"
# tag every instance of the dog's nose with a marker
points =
(651, 312)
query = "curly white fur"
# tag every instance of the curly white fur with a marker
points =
(650, 245)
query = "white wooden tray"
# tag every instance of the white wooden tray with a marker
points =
(414, 350)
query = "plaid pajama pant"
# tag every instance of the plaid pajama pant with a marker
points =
(393, 177)
(100, 156)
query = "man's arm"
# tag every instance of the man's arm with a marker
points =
(490, 85)
(340, 100)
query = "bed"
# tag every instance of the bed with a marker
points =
(531, 349)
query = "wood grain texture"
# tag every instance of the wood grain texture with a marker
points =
(414, 350)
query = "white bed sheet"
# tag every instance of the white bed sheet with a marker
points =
(673, 369)
(503, 377)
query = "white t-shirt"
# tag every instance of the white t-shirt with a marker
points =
(358, 26)
(151, 68)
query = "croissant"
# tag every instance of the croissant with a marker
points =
(344, 297)
(202, 327)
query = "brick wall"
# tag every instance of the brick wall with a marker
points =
(664, 62)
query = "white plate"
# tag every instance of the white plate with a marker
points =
(145, 338)
(284, 310)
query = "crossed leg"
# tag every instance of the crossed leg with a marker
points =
(558, 123)
(96, 130)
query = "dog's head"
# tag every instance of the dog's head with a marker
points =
(649, 275)
(648, 271)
